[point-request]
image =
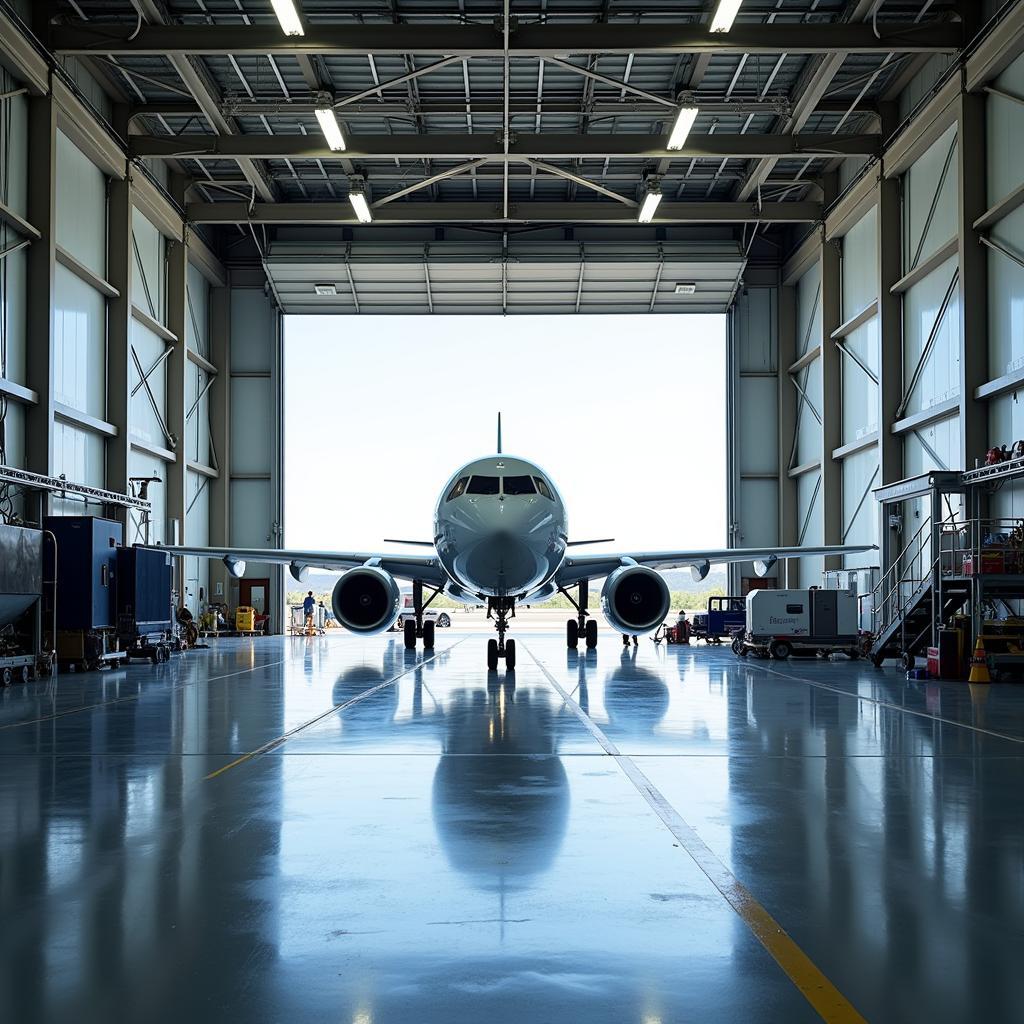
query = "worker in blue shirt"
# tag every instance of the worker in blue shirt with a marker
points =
(308, 608)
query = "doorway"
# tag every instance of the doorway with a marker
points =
(256, 594)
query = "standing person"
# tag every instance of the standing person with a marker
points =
(308, 607)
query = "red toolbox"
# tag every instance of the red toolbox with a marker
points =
(991, 562)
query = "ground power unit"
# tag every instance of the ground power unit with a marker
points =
(783, 622)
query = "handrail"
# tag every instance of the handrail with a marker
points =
(955, 540)
(908, 567)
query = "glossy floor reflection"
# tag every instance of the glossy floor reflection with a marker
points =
(333, 829)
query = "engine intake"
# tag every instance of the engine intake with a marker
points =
(366, 600)
(635, 600)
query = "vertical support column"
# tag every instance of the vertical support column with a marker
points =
(177, 369)
(220, 434)
(788, 514)
(972, 204)
(831, 398)
(890, 340)
(278, 573)
(42, 258)
(119, 332)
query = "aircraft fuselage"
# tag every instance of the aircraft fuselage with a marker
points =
(500, 527)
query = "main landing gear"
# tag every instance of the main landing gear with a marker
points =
(582, 627)
(501, 609)
(417, 628)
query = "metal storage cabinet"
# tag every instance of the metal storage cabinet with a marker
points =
(143, 589)
(86, 570)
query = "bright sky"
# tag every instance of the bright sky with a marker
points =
(625, 413)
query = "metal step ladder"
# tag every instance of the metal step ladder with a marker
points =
(909, 632)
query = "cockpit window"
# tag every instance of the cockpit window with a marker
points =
(518, 485)
(483, 485)
(459, 489)
(542, 487)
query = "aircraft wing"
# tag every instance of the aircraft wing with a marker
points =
(576, 568)
(405, 566)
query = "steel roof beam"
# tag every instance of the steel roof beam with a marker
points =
(456, 106)
(490, 213)
(486, 41)
(549, 146)
(206, 97)
(810, 91)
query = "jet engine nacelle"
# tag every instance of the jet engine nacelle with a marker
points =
(635, 600)
(366, 600)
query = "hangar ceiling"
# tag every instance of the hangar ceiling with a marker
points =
(463, 121)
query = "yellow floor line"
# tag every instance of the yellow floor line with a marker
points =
(830, 1004)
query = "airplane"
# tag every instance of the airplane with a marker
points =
(501, 538)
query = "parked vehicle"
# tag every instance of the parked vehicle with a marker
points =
(780, 623)
(438, 616)
(725, 617)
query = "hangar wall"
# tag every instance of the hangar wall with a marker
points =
(126, 348)
(899, 331)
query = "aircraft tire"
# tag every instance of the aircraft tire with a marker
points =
(428, 636)
(510, 655)
(492, 655)
(410, 634)
(572, 634)
(591, 633)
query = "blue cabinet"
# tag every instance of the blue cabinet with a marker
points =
(86, 570)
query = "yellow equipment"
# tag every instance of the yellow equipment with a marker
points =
(979, 664)
(245, 619)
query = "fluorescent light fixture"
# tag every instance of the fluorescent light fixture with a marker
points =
(291, 23)
(686, 289)
(325, 290)
(725, 15)
(652, 198)
(357, 197)
(330, 127)
(681, 129)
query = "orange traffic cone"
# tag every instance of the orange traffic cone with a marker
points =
(979, 664)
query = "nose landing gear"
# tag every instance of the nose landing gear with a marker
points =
(501, 609)
(582, 627)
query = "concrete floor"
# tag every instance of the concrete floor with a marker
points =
(446, 847)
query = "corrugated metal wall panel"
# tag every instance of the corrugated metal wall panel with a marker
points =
(252, 427)
(1005, 173)
(143, 419)
(939, 377)
(758, 445)
(809, 522)
(197, 322)
(81, 207)
(860, 510)
(79, 344)
(808, 326)
(860, 264)
(143, 464)
(149, 269)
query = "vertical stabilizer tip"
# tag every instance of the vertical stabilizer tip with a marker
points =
(499, 433)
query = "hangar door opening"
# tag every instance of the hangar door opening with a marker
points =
(627, 413)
